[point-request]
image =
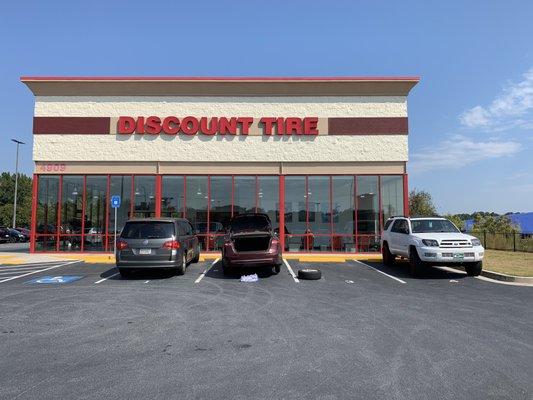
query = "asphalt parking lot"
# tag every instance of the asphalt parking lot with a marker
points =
(363, 331)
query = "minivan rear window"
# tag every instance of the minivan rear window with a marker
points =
(148, 230)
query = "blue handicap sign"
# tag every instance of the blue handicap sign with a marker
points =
(115, 201)
(59, 279)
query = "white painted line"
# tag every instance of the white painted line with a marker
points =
(105, 279)
(381, 272)
(12, 271)
(146, 281)
(291, 271)
(41, 270)
(205, 272)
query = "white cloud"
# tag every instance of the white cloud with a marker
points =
(459, 151)
(513, 108)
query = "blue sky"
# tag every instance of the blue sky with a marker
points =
(471, 116)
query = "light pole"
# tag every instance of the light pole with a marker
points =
(18, 142)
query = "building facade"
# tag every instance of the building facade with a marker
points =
(325, 158)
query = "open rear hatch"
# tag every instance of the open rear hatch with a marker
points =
(259, 241)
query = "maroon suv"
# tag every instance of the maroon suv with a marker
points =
(251, 242)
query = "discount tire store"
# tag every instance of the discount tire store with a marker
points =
(325, 158)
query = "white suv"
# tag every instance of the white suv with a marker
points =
(430, 241)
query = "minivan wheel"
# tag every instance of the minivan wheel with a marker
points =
(474, 269)
(197, 256)
(226, 269)
(183, 267)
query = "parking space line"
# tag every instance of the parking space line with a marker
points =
(291, 271)
(11, 271)
(381, 272)
(105, 279)
(206, 271)
(39, 270)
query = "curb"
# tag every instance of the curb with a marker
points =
(506, 278)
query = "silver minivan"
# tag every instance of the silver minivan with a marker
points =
(165, 243)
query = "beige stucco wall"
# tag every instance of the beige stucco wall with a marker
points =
(356, 106)
(201, 148)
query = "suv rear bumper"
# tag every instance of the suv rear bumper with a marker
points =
(451, 256)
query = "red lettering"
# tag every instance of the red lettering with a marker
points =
(280, 126)
(211, 129)
(245, 124)
(125, 125)
(267, 123)
(140, 125)
(225, 126)
(311, 126)
(153, 125)
(293, 125)
(189, 125)
(171, 125)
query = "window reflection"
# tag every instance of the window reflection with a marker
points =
(172, 196)
(144, 196)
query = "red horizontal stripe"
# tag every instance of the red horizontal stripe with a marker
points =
(219, 78)
(71, 125)
(368, 126)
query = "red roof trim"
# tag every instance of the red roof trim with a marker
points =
(217, 78)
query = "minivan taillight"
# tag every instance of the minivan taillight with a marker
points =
(121, 245)
(171, 245)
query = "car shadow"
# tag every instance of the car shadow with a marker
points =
(215, 272)
(138, 274)
(401, 270)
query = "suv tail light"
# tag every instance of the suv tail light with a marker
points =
(121, 245)
(171, 245)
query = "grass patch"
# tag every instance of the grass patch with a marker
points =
(508, 262)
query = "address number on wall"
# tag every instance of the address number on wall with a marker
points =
(52, 167)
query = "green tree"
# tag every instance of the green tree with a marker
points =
(494, 224)
(7, 194)
(421, 204)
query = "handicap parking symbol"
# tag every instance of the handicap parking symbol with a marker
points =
(55, 279)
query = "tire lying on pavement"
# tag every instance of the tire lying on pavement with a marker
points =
(309, 274)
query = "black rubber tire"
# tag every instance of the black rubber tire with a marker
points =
(226, 269)
(276, 269)
(474, 269)
(310, 274)
(183, 267)
(416, 265)
(388, 257)
(197, 256)
(125, 272)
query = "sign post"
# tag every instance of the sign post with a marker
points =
(115, 203)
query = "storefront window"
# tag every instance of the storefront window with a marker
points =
(71, 213)
(196, 203)
(95, 211)
(295, 213)
(268, 198)
(220, 210)
(391, 196)
(119, 185)
(144, 196)
(244, 197)
(172, 196)
(319, 215)
(342, 190)
(367, 206)
(47, 209)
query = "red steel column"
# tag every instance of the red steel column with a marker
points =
(59, 207)
(33, 222)
(107, 201)
(83, 211)
(158, 181)
(282, 212)
(405, 195)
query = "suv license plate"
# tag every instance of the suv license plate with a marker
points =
(458, 256)
(145, 251)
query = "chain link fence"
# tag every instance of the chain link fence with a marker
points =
(505, 241)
